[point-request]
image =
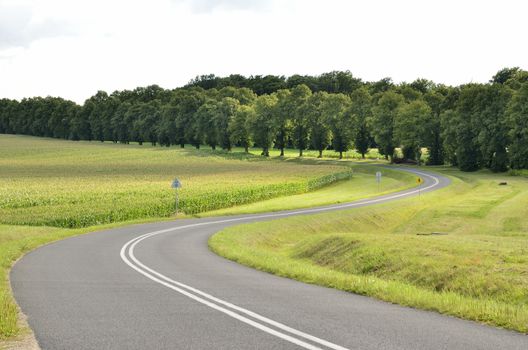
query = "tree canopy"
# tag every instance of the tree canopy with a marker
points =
(471, 126)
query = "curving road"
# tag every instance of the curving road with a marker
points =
(157, 286)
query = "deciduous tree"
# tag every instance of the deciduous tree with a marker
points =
(360, 111)
(410, 126)
(240, 127)
(263, 125)
(517, 118)
(382, 122)
(319, 129)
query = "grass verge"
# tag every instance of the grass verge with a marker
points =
(476, 269)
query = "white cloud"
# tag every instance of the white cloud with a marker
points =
(74, 48)
(201, 6)
(20, 25)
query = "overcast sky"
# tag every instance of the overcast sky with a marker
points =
(74, 48)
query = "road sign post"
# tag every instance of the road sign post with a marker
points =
(176, 184)
(419, 181)
(378, 179)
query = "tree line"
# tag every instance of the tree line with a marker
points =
(471, 126)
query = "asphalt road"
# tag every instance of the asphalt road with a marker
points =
(157, 286)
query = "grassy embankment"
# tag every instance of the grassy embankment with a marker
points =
(52, 189)
(476, 269)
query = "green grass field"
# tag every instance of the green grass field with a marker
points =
(477, 269)
(372, 154)
(53, 189)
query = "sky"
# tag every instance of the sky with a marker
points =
(72, 49)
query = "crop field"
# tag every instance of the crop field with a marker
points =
(78, 184)
(474, 266)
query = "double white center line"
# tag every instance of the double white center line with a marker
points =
(251, 318)
(237, 312)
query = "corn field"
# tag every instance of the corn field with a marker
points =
(76, 184)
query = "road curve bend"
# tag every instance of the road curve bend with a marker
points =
(157, 286)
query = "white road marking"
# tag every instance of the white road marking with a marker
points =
(158, 277)
(127, 254)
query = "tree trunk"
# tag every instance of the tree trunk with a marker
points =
(213, 147)
(340, 155)
(300, 152)
(282, 152)
(246, 149)
(362, 155)
(320, 154)
(182, 145)
(265, 152)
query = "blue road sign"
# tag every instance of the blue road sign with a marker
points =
(176, 184)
